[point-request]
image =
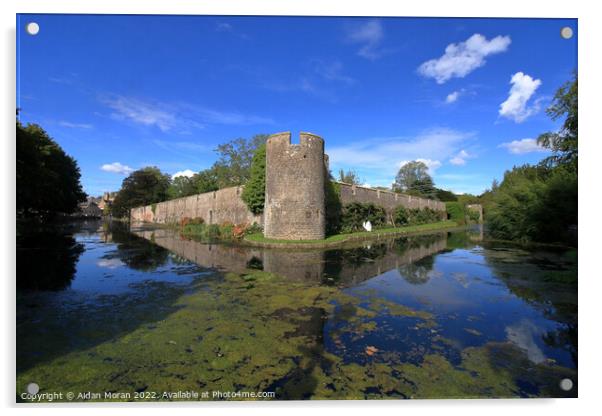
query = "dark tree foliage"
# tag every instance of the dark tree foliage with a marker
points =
(445, 196)
(333, 206)
(48, 180)
(254, 193)
(142, 187)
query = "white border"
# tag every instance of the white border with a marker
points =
(590, 24)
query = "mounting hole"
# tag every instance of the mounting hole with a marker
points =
(566, 32)
(566, 384)
(33, 388)
(32, 28)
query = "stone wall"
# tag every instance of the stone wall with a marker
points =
(294, 187)
(225, 205)
(386, 199)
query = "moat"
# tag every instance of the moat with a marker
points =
(101, 308)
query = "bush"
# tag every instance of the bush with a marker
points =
(456, 212)
(356, 213)
(473, 215)
(401, 216)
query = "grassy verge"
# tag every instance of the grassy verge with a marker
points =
(259, 239)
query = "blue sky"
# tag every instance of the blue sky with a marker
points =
(467, 96)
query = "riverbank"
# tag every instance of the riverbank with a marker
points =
(257, 239)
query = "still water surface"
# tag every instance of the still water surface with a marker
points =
(101, 308)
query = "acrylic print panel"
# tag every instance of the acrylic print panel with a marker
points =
(175, 244)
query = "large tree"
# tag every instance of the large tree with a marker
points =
(142, 187)
(48, 179)
(414, 178)
(233, 167)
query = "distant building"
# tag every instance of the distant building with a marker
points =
(89, 209)
(106, 200)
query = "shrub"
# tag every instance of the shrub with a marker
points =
(474, 215)
(456, 212)
(356, 213)
(401, 216)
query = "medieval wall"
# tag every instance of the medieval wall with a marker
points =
(386, 199)
(294, 187)
(225, 205)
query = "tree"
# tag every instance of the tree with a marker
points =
(233, 167)
(180, 187)
(413, 178)
(48, 179)
(254, 193)
(205, 181)
(564, 142)
(445, 196)
(142, 187)
(351, 177)
(539, 203)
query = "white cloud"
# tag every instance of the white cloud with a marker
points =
(75, 125)
(332, 71)
(369, 35)
(453, 97)
(519, 147)
(181, 117)
(379, 159)
(460, 158)
(460, 59)
(187, 173)
(141, 112)
(515, 107)
(110, 263)
(117, 167)
(223, 27)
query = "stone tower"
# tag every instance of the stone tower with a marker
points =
(294, 188)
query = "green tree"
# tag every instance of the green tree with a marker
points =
(351, 177)
(205, 181)
(445, 196)
(539, 203)
(563, 143)
(413, 178)
(48, 179)
(233, 167)
(142, 187)
(180, 187)
(254, 193)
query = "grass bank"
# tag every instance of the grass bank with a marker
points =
(259, 240)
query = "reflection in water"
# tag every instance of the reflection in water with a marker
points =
(149, 310)
(47, 260)
(345, 267)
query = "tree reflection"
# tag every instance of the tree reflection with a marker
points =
(418, 272)
(136, 252)
(46, 260)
